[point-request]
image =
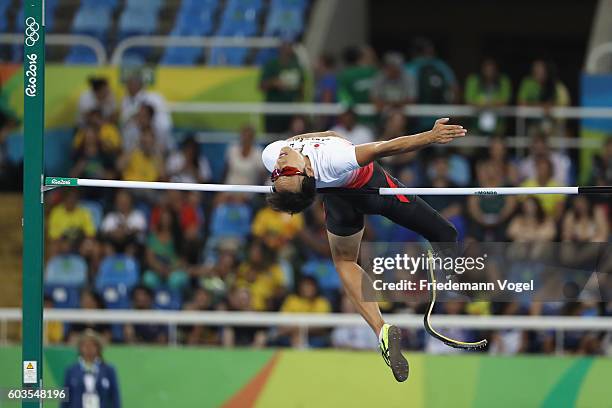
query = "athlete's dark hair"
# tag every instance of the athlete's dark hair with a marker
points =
(294, 202)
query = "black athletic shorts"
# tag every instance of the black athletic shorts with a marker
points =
(344, 213)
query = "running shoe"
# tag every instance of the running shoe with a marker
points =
(390, 347)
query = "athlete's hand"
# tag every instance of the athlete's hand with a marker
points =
(442, 133)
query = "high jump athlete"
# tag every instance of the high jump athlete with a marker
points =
(303, 163)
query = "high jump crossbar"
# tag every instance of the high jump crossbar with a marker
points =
(54, 182)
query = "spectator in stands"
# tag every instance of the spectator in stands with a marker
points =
(326, 87)
(53, 331)
(276, 229)
(91, 382)
(136, 96)
(263, 276)
(486, 90)
(531, 223)
(434, 79)
(162, 258)
(553, 204)
(450, 207)
(350, 129)
(142, 121)
(282, 80)
(357, 337)
(187, 165)
(540, 148)
(499, 159)
(201, 300)
(544, 89)
(66, 268)
(489, 214)
(306, 300)
(326, 83)
(91, 159)
(239, 300)
(187, 220)
(89, 301)
(392, 88)
(243, 163)
(602, 165)
(355, 80)
(584, 222)
(98, 97)
(142, 299)
(218, 274)
(145, 163)
(312, 241)
(70, 219)
(509, 341)
(125, 223)
(107, 132)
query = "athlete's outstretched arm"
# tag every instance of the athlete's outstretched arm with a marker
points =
(441, 133)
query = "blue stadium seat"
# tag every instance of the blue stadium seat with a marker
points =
(94, 21)
(233, 56)
(287, 23)
(117, 270)
(195, 5)
(289, 4)
(66, 269)
(166, 299)
(110, 4)
(14, 148)
(144, 4)
(137, 21)
(64, 297)
(181, 56)
(82, 55)
(96, 210)
(244, 4)
(115, 297)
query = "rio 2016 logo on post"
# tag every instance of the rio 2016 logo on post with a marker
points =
(31, 38)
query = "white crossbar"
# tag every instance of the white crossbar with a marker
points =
(462, 191)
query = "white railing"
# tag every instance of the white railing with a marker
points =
(304, 321)
(63, 40)
(204, 42)
(332, 109)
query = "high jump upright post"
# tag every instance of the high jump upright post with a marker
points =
(33, 227)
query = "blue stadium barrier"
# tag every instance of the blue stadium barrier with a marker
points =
(166, 299)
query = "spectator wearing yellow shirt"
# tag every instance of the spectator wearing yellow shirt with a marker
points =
(306, 300)
(263, 276)
(108, 133)
(69, 218)
(144, 163)
(276, 228)
(552, 204)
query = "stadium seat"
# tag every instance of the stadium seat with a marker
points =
(286, 23)
(244, 4)
(289, 4)
(14, 148)
(94, 21)
(96, 210)
(111, 4)
(64, 296)
(117, 270)
(80, 54)
(67, 270)
(233, 56)
(166, 299)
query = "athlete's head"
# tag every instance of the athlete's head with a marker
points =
(294, 182)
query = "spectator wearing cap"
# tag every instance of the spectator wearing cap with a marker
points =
(91, 381)
(393, 88)
(98, 97)
(348, 127)
(282, 80)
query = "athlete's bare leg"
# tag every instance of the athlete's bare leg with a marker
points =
(345, 251)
